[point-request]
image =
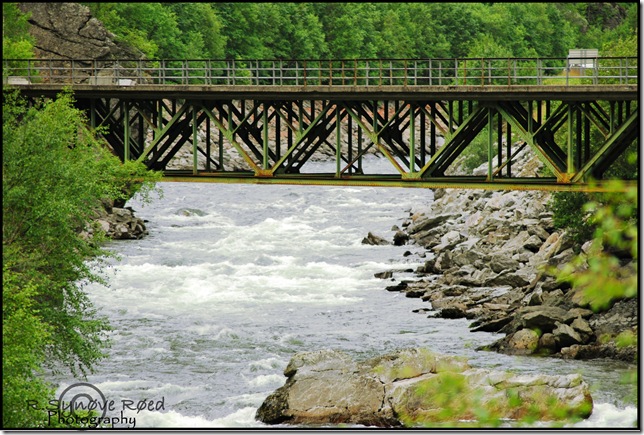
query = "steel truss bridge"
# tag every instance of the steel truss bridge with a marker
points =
(422, 116)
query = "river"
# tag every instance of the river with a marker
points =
(234, 279)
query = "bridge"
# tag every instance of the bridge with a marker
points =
(424, 116)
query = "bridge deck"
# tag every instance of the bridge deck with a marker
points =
(347, 92)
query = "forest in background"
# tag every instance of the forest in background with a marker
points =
(370, 30)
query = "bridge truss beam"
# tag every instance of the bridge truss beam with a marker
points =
(578, 141)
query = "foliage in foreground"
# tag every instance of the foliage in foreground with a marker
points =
(54, 174)
(608, 271)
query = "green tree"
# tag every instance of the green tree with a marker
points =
(163, 30)
(297, 32)
(246, 28)
(200, 30)
(395, 35)
(54, 174)
(608, 271)
(17, 43)
(425, 29)
(461, 23)
(569, 214)
(350, 29)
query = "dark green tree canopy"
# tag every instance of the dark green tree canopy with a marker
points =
(366, 30)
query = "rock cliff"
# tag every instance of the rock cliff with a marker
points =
(68, 31)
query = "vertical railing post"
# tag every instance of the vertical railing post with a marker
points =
(596, 71)
(464, 72)
(456, 70)
(406, 73)
(367, 71)
(355, 73)
(489, 71)
(482, 71)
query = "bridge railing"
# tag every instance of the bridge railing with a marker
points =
(343, 72)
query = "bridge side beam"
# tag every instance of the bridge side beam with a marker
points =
(300, 135)
(455, 144)
(548, 159)
(611, 149)
(229, 134)
(373, 135)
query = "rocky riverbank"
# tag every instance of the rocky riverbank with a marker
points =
(485, 253)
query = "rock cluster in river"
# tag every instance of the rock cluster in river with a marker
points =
(485, 252)
(414, 388)
(117, 223)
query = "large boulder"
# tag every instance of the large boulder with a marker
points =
(68, 30)
(415, 388)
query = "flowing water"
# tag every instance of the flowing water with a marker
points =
(233, 280)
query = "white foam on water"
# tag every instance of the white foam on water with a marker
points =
(244, 417)
(267, 380)
(266, 364)
(609, 416)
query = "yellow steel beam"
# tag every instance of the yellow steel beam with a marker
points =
(541, 184)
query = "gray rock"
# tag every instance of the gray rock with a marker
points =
(498, 263)
(548, 342)
(524, 342)
(581, 326)
(507, 278)
(67, 30)
(431, 222)
(566, 335)
(373, 239)
(541, 317)
(403, 389)
(400, 238)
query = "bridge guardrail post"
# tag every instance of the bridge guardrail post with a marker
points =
(456, 71)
